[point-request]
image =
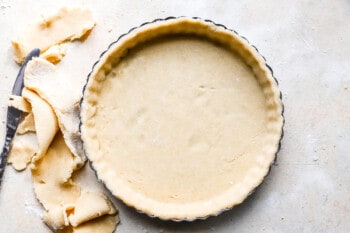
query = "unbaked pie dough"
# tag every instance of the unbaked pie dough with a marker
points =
(48, 136)
(67, 24)
(181, 119)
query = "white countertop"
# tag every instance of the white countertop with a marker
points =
(306, 42)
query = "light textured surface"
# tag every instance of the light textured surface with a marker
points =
(307, 45)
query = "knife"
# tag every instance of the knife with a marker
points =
(13, 114)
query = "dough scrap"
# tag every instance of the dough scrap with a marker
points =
(105, 224)
(56, 167)
(54, 219)
(19, 102)
(63, 200)
(52, 125)
(86, 205)
(52, 168)
(45, 121)
(54, 54)
(66, 25)
(42, 77)
(52, 182)
(27, 125)
(23, 149)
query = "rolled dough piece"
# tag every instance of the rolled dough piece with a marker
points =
(105, 224)
(23, 149)
(54, 54)
(52, 103)
(42, 77)
(52, 182)
(86, 206)
(19, 102)
(65, 25)
(44, 119)
(27, 124)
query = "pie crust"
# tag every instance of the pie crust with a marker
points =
(181, 118)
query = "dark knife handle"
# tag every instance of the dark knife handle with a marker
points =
(3, 158)
(13, 116)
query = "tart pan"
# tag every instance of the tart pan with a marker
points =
(110, 146)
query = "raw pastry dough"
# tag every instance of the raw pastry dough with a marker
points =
(63, 200)
(66, 25)
(181, 119)
(54, 54)
(27, 124)
(48, 135)
(23, 149)
(86, 206)
(44, 119)
(19, 102)
(52, 182)
(42, 77)
(105, 224)
(52, 169)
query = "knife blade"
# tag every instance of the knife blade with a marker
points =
(13, 114)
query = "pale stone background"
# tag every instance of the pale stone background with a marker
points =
(307, 43)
